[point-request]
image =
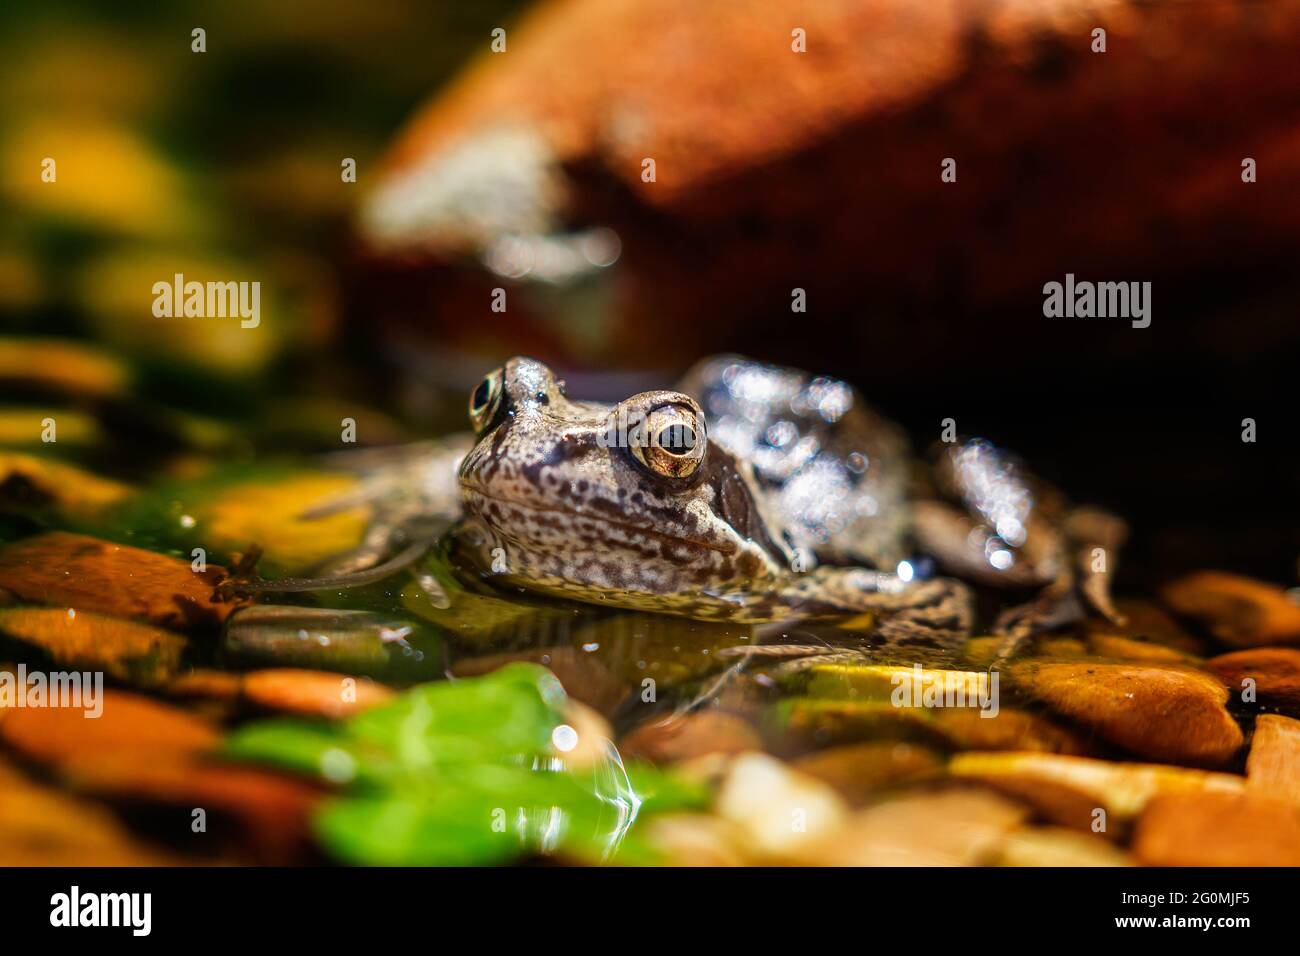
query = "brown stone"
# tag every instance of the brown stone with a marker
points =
(691, 735)
(756, 144)
(1128, 648)
(206, 684)
(859, 771)
(1218, 829)
(1069, 790)
(957, 827)
(1275, 671)
(1148, 621)
(1163, 713)
(126, 650)
(1057, 846)
(273, 809)
(1273, 766)
(132, 729)
(90, 574)
(42, 826)
(1010, 729)
(1239, 611)
(312, 693)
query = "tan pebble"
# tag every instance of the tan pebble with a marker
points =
(1058, 846)
(1218, 829)
(779, 809)
(963, 827)
(859, 771)
(1070, 790)
(1273, 765)
(697, 839)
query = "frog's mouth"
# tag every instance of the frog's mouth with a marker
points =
(480, 501)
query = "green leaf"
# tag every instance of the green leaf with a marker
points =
(458, 773)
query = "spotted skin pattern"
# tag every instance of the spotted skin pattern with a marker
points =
(556, 498)
(797, 507)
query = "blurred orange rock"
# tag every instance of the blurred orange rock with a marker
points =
(962, 827)
(132, 729)
(1127, 648)
(821, 169)
(859, 771)
(312, 693)
(1162, 713)
(1237, 610)
(1273, 767)
(90, 574)
(1218, 829)
(1274, 670)
(125, 650)
(1070, 790)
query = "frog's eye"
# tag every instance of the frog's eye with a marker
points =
(672, 441)
(484, 401)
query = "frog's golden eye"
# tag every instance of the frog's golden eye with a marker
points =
(484, 401)
(672, 441)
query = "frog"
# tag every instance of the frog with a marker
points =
(748, 493)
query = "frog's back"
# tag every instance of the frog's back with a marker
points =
(832, 471)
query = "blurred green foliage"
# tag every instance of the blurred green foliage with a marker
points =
(226, 161)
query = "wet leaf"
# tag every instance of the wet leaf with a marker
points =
(90, 574)
(466, 772)
(126, 650)
(270, 514)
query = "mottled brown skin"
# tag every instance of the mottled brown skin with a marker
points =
(568, 498)
(554, 505)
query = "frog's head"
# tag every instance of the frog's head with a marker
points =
(628, 503)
